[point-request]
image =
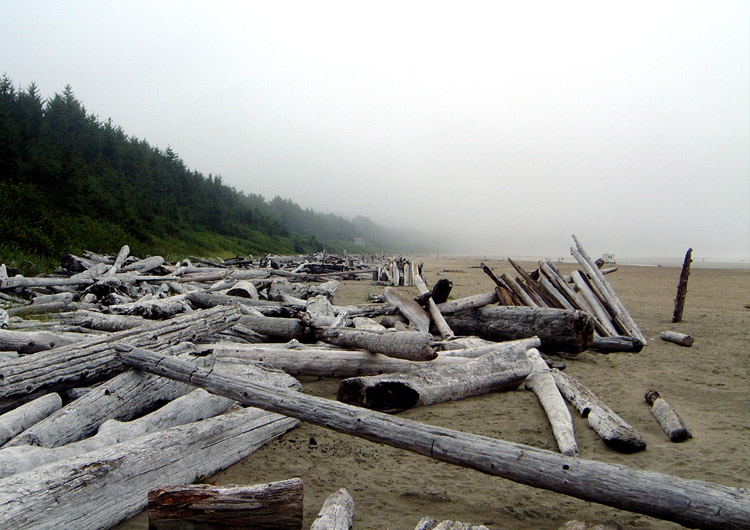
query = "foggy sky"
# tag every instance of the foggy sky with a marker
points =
(504, 127)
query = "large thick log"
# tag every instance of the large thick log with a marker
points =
(194, 406)
(101, 488)
(493, 372)
(272, 506)
(23, 417)
(679, 301)
(68, 366)
(337, 512)
(610, 427)
(20, 281)
(667, 417)
(34, 341)
(558, 329)
(410, 345)
(688, 502)
(542, 383)
(417, 316)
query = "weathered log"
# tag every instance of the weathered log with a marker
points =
(536, 290)
(25, 342)
(122, 255)
(616, 344)
(40, 309)
(610, 427)
(667, 417)
(155, 308)
(411, 345)
(69, 366)
(144, 265)
(514, 347)
(337, 512)
(518, 291)
(101, 488)
(558, 329)
(679, 301)
(409, 308)
(596, 308)
(244, 289)
(275, 328)
(99, 321)
(20, 281)
(678, 338)
(368, 324)
(469, 302)
(428, 523)
(272, 506)
(437, 318)
(688, 502)
(542, 383)
(493, 372)
(18, 420)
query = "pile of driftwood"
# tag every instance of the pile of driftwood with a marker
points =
(83, 439)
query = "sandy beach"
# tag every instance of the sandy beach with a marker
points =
(706, 383)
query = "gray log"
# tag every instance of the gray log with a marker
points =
(274, 327)
(272, 506)
(616, 344)
(558, 329)
(688, 502)
(470, 302)
(409, 308)
(667, 417)
(104, 487)
(437, 318)
(23, 417)
(411, 345)
(25, 342)
(511, 347)
(428, 523)
(610, 427)
(596, 308)
(678, 338)
(337, 512)
(99, 321)
(493, 372)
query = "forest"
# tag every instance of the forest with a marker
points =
(69, 182)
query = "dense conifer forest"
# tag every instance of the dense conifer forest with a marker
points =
(70, 182)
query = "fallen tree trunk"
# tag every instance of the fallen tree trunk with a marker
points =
(493, 372)
(678, 338)
(667, 417)
(558, 329)
(101, 488)
(100, 321)
(688, 502)
(272, 506)
(25, 342)
(410, 345)
(417, 316)
(68, 366)
(610, 427)
(542, 383)
(23, 417)
(274, 327)
(337, 512)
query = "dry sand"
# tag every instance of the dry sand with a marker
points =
(706, 383)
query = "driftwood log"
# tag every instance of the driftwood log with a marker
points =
(428, 523)
(620, 343)
(19, 419)
(469, 302)
(667, 417)
(688, 502)
(558, 329)
(493, 372)
(25, 342)
(337, 512)
(417, 316)
(437, 317)
(410, 345)
(678, 338)
(272, 506)
(679, 301)
(610, 427)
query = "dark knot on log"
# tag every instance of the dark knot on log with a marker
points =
(651, 396)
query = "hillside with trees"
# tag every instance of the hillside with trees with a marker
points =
(69, 182)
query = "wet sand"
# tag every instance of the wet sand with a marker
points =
(706, 383)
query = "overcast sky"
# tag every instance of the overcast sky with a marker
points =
(502, 126)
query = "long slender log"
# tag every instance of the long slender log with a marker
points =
(516, 289)
(679, 301)
(534, 287)
(272, 506)
(104, 487)
(667, 417)
(100, 321)
(409, 308)
(519, 346)
(337, 512)
(688, 502)
(678, 338)
(542, 383)
(25, 342)
(437, 318)
(558, 329)
(40, 309)
(493, 372)
(610, 427)
(469, 302)
(20, 281)
(596, 309)
(18, 420)
(411, 345)
(562, 285)
(119, 260)
(68, 366)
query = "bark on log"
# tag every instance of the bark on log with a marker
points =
(667, 417)
(610, 427)
(409, 308)
(558, 329)
(69, 366)
(493, 372)
(679, 301)
(437, 318)
(542, 383)
(337, 512)
(678, 338)
(688, 502)
(272, 506)
(410, 345)
(470, 302)
(101, 488)
(18, 420)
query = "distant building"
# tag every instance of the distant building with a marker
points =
(359, 241)
(608, 259)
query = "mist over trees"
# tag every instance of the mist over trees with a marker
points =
(69, 182)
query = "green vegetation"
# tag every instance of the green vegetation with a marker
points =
(70, 182)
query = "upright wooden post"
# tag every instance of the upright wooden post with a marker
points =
(679, 301)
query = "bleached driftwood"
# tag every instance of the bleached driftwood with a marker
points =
(610, 427)
(493, 372)
(511, 347)
(272, 506)
(245, 289)
(409, 308)
(688, 502)
(26, 415)
(144, 265)
(596, 308)
(678, 338)
(667, 417)
(437, 318)
(155, 308)
(101, 488)
(33, 341)
(337, 512)
(100, 321)
(428, 523)
(469, 302)
(542, 383)
(411, 345)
